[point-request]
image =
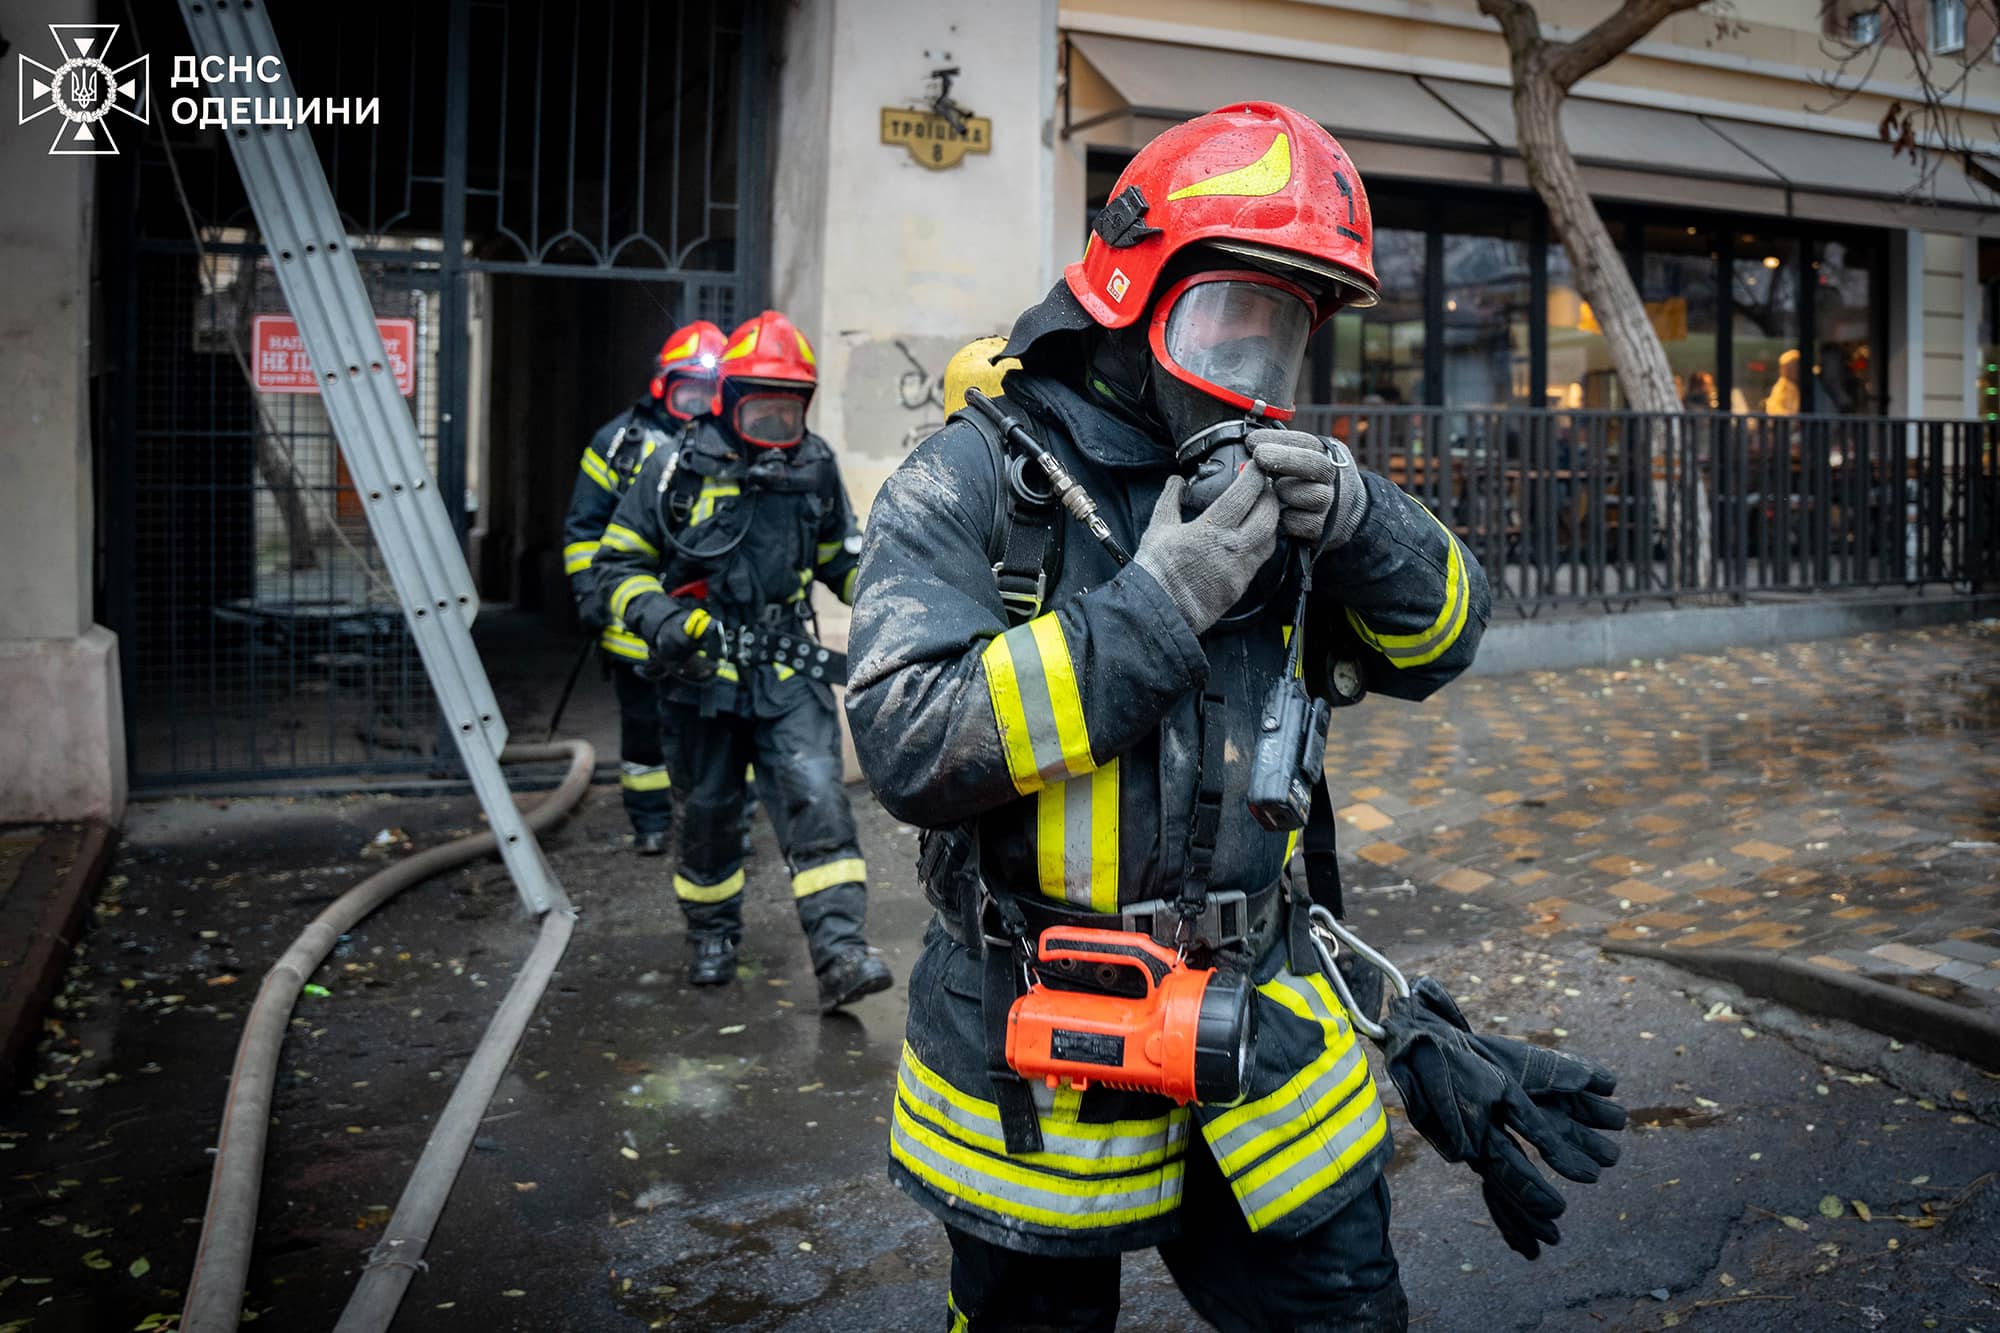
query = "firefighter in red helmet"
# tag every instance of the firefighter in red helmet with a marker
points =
(1074, 716)
(682, 387)
(710, 560)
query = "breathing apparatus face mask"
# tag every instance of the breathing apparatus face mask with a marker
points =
(766, 414)
(687, 396)
(1230, 344)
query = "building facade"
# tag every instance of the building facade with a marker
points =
(193, 596)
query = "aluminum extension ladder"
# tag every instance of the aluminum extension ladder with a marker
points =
(377, 437)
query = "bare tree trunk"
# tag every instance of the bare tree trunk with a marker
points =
(276, 471)
(1601, 276)
(1543, 74)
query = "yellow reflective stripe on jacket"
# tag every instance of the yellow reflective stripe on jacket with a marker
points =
(827, 551)
(688, 891)
(598, 470)
(1080, 1147)
(704, 503)
(811, 880)
(1433, 641)
(623, 643)
(847, 586)
(621, 538)
(1036, 704)
(1289, 1146)
(1076, 840)
(933, 1141)
(643, 777)
(959, 1323)
(630, 587)
(577, 555)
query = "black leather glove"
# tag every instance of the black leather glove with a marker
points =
(593, 612)
(1470, 1095)
(1523, 1205)
(1574, 1097)
(677, 644)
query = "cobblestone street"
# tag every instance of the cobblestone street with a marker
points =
(1839, 801)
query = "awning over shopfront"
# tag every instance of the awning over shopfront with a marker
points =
(1427, 124)
(1634, 137)
(1161, 81)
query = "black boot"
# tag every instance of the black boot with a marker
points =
(850, 974)
(711, 960)
(653, 843)
(847, 969)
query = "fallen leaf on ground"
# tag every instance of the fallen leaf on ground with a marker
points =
(513, 1291)
(226, 979)
(1831, 1206)
(1861, 1211)
(629, 1154)
(140, 1266)
(1793, 1222)
(731, 1030)
(523, 1186)
(96, 1259)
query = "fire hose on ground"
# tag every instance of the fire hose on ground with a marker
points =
(222, 1263)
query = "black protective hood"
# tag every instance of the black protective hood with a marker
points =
(1037, 333)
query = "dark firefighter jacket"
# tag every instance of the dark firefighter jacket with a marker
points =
(743, 531)
(1072, 744)
(610, 461)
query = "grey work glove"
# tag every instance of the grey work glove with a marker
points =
(1316, 481)
(1205, 563)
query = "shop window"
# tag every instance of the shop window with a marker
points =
(1764, 326)
(1580, 373)
(1947, 25)
(1677, 282)
(1378, 353)
(1486, 317)
(1845, 373)
(1987, 382)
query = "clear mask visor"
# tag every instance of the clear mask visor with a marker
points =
(1240, 335)
(688, 396)
(775, 420)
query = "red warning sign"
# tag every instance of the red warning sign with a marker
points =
(279, 364)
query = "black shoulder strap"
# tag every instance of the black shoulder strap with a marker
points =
(1024, 543)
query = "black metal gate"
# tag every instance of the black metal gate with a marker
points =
(610, 139)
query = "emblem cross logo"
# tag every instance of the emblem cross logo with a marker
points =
(84, 89)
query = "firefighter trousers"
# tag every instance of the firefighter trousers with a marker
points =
(1341, 1275)
(642, 750)
(797, 759)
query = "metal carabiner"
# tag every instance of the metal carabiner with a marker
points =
(1326, 927)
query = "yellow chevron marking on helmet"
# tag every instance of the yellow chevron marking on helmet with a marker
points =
(742, 348)
(686, 348)
(1267, 175)
(805, 348)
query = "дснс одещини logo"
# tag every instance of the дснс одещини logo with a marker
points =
(84, 89)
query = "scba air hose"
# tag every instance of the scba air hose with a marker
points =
(228, 1229)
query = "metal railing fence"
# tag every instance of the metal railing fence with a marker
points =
(1567, 507)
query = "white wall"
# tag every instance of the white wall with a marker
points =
(870, 248)
(62, 750)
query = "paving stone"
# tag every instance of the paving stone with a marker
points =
(1967, 950)
(1763, 851)
(1366, 817)
(1908, 956)
(1464, 879)
(1639, 891)
(1381, 853)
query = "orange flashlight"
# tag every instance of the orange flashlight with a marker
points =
(1182, 1032)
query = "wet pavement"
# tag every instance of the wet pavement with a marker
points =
(664, 1158)
(1838, 801)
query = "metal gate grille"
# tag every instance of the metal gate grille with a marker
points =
(613, 140)
(266, 638)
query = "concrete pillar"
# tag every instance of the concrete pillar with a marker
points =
(887, 265)
(62, 749)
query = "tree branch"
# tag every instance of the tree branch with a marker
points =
(1518, 24)
(1596, 48)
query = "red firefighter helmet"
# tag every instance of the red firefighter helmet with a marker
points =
(767, 376)
(1257, 180)
(684, 381)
